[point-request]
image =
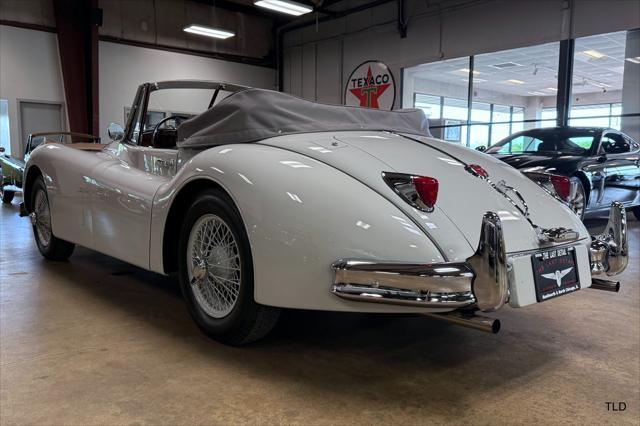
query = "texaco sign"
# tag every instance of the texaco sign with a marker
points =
(371, 85)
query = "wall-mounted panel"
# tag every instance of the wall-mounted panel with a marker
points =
(37, 12)
(138, 21)
(328, 71)
(171, 18)
(296, 71)
(309, 72)
(162, 22)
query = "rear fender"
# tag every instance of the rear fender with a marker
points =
(300, 215)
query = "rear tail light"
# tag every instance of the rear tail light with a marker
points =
(419, 191)
(562, 185)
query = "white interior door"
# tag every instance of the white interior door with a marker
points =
(38, 117)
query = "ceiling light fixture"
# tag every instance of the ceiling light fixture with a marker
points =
(475, 80)
(514, 81)
(635, 60)
(209, 32)
(284, 6)
(553, 89)
(536, 93)
(593, 54)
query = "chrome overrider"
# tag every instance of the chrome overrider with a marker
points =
(609, 251)
(481, 282)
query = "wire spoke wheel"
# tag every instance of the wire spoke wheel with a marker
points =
(43, 218)
(214, 266)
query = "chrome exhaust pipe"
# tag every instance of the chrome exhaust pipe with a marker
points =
(605, 285)
(469, 320)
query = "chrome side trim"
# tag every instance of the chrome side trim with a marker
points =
(609, 251)
(481, 280)
(503, 188)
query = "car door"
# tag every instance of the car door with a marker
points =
(128, 180)
(620, 156)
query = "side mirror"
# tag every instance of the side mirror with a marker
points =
(481, 148)
(115, 132)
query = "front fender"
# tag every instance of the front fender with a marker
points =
(300, 215)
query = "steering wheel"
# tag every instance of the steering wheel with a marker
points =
(177, 117)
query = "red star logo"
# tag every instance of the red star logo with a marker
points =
(369, 93)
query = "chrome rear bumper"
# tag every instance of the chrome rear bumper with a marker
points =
(482, 280)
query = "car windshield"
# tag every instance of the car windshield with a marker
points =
(560, 141)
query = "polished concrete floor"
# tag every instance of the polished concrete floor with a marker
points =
(96, 341)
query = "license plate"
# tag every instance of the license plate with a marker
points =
(555, 273)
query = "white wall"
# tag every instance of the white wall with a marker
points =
(124, 67)
(340, 45)
(29, 70)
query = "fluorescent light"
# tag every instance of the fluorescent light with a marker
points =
(475, 80)
(536, 93)
(553, 89)
(284, 6)
(635, 60)
(466, 70)
(514, 81)
(209, 32)
(593, 54)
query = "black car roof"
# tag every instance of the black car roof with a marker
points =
(551, 130)
(557, 128)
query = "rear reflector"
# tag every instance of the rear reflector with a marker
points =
(562, 185)
(427, 189)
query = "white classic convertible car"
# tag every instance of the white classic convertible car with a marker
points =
(261, 201)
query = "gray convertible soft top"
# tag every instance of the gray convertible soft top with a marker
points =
(256, 114)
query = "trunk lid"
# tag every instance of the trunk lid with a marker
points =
(462, 198)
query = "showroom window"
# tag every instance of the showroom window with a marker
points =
(501, 115)
(548, 117)
(511, 89)
(431, 105)
(599, 66)
(600, 115)
(440, 90)
(491, 122)
(517, 89)
(525, 78)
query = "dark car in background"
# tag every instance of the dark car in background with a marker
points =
(587, 167)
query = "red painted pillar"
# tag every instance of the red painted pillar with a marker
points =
(78, 46)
